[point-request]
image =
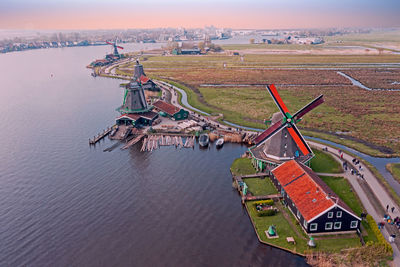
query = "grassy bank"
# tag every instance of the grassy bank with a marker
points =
(260, 187)
(242, 166)
(325, 163)
(349, 143)
(394, 169)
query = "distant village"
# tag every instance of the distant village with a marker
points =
(25, 40)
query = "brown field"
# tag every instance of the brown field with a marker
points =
(377, 78)
(371, 117)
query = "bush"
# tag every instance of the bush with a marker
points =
(269, 212)
(268, 202)
(381, 239)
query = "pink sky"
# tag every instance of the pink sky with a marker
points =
(194, 13)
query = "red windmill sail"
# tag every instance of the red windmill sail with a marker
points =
(289, 121)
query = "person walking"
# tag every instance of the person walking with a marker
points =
(392, 209)
(387, 207)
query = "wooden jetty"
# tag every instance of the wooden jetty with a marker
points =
(100, 136)
(153, 142)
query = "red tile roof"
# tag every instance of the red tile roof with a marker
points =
(306, 190)
(165, 107)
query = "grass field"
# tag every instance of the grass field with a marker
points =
(325, 163)
(242, 166)
(366, 120)
(260, 187)
(394, 169)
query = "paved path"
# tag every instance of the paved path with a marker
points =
(378, 190)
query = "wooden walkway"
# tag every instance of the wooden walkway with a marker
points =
(260, 174)
(250, 198)
(100, 136)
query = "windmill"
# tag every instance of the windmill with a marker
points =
(115, 50)
(283, 140)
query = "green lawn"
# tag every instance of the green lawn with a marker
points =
(394, 169)
(260, 187)
(325, 163)
(284, 229)
(242, 166)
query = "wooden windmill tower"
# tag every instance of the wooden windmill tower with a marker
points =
(282, 141)
(115, 48)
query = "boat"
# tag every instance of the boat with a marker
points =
(203, 140)
(219, 143)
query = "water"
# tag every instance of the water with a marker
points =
(63, 203)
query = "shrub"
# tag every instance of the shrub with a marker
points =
(382, 242)
(268, 202)
(269, 212)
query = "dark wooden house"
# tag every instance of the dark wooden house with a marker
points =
(171, 111)
(317, 208)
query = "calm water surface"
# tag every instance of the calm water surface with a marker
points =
(63, 203)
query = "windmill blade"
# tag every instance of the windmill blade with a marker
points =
(109, 43)
(277, 98)
(299, 140)
(120, 47)
(270, 131)
(310, 106)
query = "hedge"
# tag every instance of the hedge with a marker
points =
(268, 202)
(381, 239)
(269, 212)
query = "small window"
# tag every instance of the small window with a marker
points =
(328, 226)
(330, 214)
(353, 224)
(337, 225)
(339, 214)
(298, 214)
(305, 224)
(313, 226)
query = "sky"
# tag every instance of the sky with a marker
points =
(237, 14)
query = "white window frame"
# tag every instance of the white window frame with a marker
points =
(339, 227)
(330, 214)
(313, 226)
(298, 214)
(339, 214)
(305, 224)
(352, 226)
(328, 228)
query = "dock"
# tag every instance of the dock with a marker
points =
(152, 142)
(100, 136)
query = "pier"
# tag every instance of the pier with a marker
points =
(100, 136)
(155, 141)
